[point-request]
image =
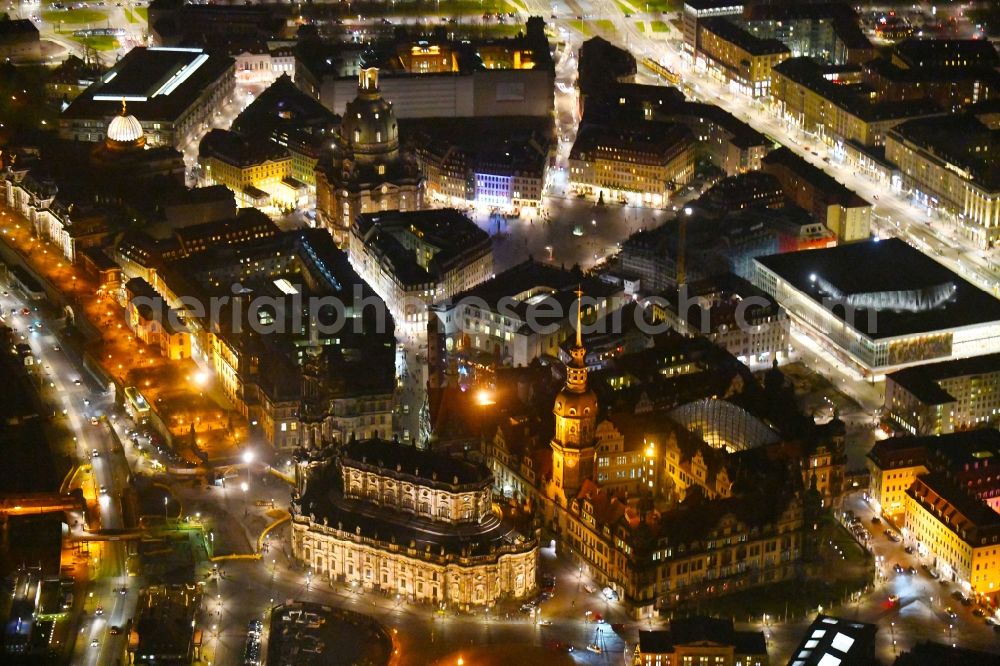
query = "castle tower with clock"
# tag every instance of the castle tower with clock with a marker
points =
(573, 447)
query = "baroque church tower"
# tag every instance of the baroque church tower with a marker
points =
(573, 447)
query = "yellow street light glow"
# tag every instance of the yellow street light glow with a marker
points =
(484, 397)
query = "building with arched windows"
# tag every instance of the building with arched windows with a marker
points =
(421, 524)
(366, 172)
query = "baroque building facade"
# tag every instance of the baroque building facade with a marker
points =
(421, 524)
(366, 172)
(654, 555)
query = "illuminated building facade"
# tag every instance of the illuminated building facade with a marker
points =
(646, 162)
(651, 559)
(172, 91)
(893, 465)
(851, 300)
(258, 171)
(945, 492)
(442, 78)
(700, 641)
(736, 57)
(386, 516)
(499, 162)
(822, 101)
(937, 398)
(839, 208)
(413, 260)
(493, 319)
(949, 163)
(367, 172)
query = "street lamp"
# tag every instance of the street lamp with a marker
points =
(166, 500)
(247, 459)
(244, 487)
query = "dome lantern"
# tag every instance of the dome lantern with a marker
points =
(125, 132)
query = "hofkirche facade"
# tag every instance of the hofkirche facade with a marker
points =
(386, 516)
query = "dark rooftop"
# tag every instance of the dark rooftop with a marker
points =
(844, 19)
(854, 99)
(157, 83)
(916, 52)
(455, 237)
(742, 38)
(239, 151)
(784, 157)
(967, 510)
(282, 105)
(922, 380)
(864, 272)
(426, 465)
(655, 140)
(699, 629)
(963, 140)
(532, 281)
(834, 640)
(14, 29)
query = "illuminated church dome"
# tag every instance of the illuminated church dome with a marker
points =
(369, 125)
(125, 132)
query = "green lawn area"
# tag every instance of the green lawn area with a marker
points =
(606, 25)
(664, 5)
(99, 42)
(641, 26)
(659, 26)
(136, 15)
(626, 9)
(426, 9)
(74, 16)
(581, 26)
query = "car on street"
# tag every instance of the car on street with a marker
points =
(94, 643)
(77, 382)
(912, 571)
(104, 490)
(114, 630)
(950, 612)
(898, 568)
(99, 610)
(595, 648)
(876, 520)
(909, 550)
(95, 454)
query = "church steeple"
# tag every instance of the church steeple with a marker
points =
(575, 410)
(576, 370)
